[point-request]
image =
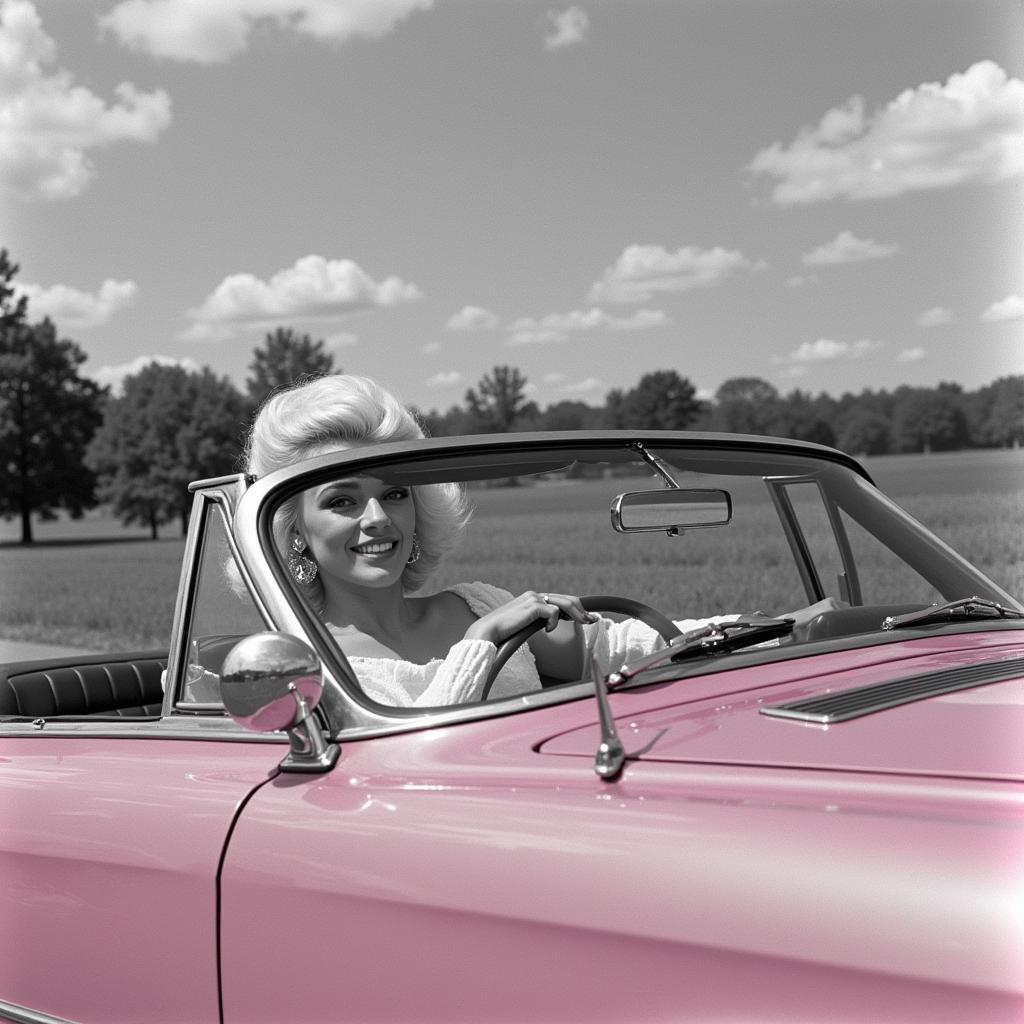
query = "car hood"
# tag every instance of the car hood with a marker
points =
(971, 733)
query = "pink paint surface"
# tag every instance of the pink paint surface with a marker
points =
(460, 874)
(930, 737)
(108, 860)
(741, 869)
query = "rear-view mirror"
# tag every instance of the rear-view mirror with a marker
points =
(671, 509)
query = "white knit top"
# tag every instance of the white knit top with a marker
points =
(460, 676)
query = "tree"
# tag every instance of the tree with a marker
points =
(572, 415)
(661, 400)
(809, 419)
(48, 413)
(926, 419)
(286, 357)
(747, 405)
(498, 401)
(167, 428)
(456, 420)
(863, 431)
(997, 413)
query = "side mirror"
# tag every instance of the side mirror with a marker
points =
(272, 682)
(672, 509)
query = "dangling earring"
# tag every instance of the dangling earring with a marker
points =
(414, 551)
(300, 565)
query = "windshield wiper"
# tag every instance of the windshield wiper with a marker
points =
(717, 638)
(964, 608)
(712, 639)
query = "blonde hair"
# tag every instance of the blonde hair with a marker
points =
(338, 412)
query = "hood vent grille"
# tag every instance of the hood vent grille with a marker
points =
(865, 700)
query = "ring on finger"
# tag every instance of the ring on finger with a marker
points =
(546, 598)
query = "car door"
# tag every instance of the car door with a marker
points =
(109, 851)
(112, 828)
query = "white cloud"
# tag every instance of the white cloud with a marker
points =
(567, 28)
(969, 130)
(69, 307)
(642, 270)
(592, 386)
(1010, 308)
(826, 350)
(935, 317)
(556, 327)
(214, 31)
(638, 321)
(800, 280)
(522, 333)
(472, 318)
(911, 355)
(114, 376)
(846, 247)
(450, 379)
(314, 287)
(48, 124)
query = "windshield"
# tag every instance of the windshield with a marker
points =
(691, 533)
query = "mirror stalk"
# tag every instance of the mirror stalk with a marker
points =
(310, 752)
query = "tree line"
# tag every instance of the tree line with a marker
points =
(70, 444)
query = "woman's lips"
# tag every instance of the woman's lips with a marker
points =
(376, 547)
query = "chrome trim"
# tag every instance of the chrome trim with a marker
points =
(843, 705)
(224, 499)
(177, 727)
(659, 465)
(611, 754)
(239, 481)
(23, 1015)
(310, 753)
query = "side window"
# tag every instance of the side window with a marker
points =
(880, 575)
(818, 535)
(223, 611)
(885, 578)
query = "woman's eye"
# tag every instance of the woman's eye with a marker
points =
(340, 501)
(398, 494)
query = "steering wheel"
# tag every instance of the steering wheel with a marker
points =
(598, 603)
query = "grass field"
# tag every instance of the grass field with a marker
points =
(97, 585)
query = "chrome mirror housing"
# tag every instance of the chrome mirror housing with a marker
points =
(271, 682)
(672, 509)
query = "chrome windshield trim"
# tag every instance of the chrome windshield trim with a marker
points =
(843, 705)
(16, 1014)
(349, 711)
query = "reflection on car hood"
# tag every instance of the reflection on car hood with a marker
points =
(970, 733)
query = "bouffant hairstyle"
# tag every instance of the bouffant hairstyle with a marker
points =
(339, 412)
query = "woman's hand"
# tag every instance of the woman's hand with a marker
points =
(499, 625)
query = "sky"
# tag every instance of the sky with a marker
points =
(826, 194)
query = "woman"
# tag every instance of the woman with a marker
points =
(362, 549)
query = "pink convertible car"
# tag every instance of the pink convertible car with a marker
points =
(813, 817)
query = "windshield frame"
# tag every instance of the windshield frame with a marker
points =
(352, 712)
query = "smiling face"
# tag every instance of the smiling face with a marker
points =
(359, 530)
